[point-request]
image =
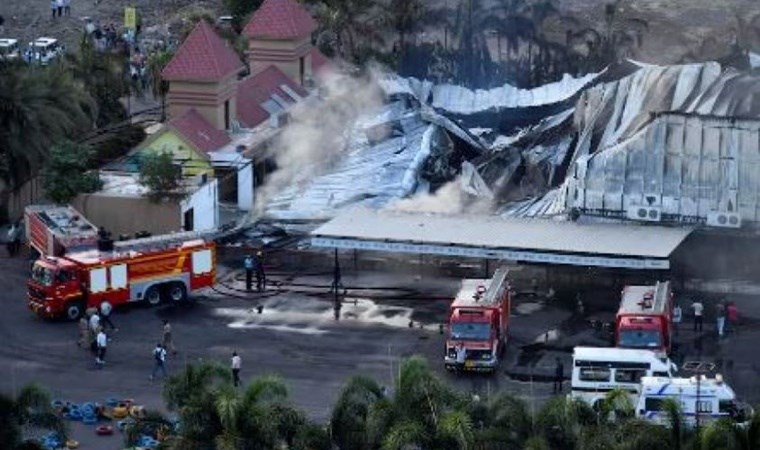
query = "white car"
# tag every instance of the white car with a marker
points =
(9, 49)
(44, 50)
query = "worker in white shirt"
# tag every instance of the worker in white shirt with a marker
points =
(461, 356)
(698, 308)
(235, 366)
(677, 317)
(102, 342)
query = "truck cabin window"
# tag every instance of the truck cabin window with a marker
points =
(42, 275)
(639, 339)
(63, 276)
(470, 331)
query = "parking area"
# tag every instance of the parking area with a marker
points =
(386, 316)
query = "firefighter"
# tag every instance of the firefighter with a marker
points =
(559, 376)
(168, 340)
(84, 332)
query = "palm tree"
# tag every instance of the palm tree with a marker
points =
(404, 17)
(159, 87)
(562, 421)
(38, 107)
(350, 413)
(346, 20)
(504, 421)
(28, 415)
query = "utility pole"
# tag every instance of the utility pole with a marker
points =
(699, 369)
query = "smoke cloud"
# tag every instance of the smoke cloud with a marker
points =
(448, 199)
(316, 137)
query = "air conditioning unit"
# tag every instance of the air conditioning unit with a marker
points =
(724, 220)
(645, 213)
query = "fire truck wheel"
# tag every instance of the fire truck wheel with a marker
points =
(177, 292)
(153, 296)
(74, 310)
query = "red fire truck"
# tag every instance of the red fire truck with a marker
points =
(644, 317)
(55, 230)
(479, 320)
(153, 269)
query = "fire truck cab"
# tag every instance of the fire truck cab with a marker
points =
(644, 317)
(479, 320)
(155, 269)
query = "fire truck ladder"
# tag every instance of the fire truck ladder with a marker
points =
(498, 284)
(661, 291)
(163, 241)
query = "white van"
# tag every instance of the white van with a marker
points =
(44, 50)
(716, 400)
(599, 370)
(9, 49)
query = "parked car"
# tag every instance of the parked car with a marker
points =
(9, 49)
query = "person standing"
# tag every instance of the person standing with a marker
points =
(59, 7)
(698, 308)
(235, 366)
(67, 7)
(248, 264)
(559, 376)
(53, 7)
(677, 317)
(720, 318)
(732, 316)
(102, 342)
(84, 332)
(461, 357)
(159, 358)
(261, 277)
(167, 338)
(105, 315)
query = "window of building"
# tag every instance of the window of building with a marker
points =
(226, 114)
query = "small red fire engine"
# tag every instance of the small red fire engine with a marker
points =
(644, 317)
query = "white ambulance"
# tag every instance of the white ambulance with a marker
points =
(598, 370)
(710, 398)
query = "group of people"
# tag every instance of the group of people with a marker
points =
(60, 8)
(726, 316)
(92, 333)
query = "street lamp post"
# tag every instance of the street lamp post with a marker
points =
(699, 369)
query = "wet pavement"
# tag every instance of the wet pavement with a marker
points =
(384, 318)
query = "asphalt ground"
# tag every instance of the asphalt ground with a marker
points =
(297, 338)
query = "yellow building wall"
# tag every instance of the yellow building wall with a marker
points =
(170, 142)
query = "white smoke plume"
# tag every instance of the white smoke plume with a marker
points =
(448, 199)
(317, 133)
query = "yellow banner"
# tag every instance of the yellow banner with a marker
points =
(130, 17)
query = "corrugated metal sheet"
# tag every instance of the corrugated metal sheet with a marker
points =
(497, 233)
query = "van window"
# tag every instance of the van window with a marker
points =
(653, 404)
(661, 374)
(594, 374)
(704, 406)
(629, 375)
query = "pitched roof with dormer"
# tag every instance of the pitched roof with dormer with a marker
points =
(280, 19)
(268, 90)
(203, 56)
(197, 131)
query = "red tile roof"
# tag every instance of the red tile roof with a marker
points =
(280, 19)
(204, 56)
(318, 60)
(196, 130)
(257, 89)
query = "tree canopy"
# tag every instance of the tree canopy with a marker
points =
(67, 172)
(159, 174)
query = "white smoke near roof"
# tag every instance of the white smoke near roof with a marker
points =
(448, 199)
(316, 137)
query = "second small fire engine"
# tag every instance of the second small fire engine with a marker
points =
(154, 269)
(479, 321)
(644, 317)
